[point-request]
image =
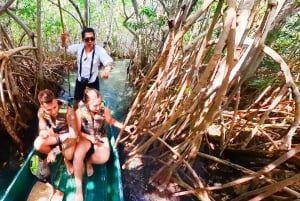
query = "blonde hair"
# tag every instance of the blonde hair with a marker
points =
(91, 93)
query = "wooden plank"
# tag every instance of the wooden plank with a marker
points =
(44, 192)
(58, 195)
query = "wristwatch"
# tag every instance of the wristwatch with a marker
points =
(54, 152)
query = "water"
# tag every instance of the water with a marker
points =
(115, 90)
(116, 94)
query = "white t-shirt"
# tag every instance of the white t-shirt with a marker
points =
(100, 56)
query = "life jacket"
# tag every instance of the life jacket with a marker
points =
(60, 126)
(88, 124)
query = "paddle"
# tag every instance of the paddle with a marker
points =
(64, 45)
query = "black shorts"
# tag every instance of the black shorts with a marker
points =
(90, 152)
(79, 88)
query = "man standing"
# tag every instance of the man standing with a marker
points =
(89, 58)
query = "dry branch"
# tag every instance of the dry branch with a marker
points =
(194, 85)
(18, 76)
(269, 190)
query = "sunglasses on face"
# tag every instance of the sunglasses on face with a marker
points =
(88, 39)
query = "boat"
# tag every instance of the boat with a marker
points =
(104, 185)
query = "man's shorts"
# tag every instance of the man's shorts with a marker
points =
(80, 87)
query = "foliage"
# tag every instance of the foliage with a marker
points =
(286, 41)
(261, 83)
(150, 19)
(27, 10)
(150, 12)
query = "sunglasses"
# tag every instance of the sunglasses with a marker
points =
(88, 39)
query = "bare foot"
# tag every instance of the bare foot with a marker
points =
(69, 167)
(78, 196)
(89, 169)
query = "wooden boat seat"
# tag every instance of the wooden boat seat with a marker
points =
(44, 192)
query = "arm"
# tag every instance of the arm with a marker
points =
(110, 120)
(44, 131)
(82, 134)
(107, 61)
(106, 71)
(71, 49)
(72, 123)
(67, 139)
(47, 134)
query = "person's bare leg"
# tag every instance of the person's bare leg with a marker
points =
(100, 156)
(69, 167)
(79, 194)
(89, 168)
(68, 154)
(78, 169)
(44, 145)
(78, 163)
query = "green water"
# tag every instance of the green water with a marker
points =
(116, 93)
(115, 90)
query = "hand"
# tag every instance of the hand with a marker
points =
(95, 140)
(105, 73)
(92, 139)
(44, 135)
(98, 138)
(51, 157)
(47, 133)
(64, 37)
